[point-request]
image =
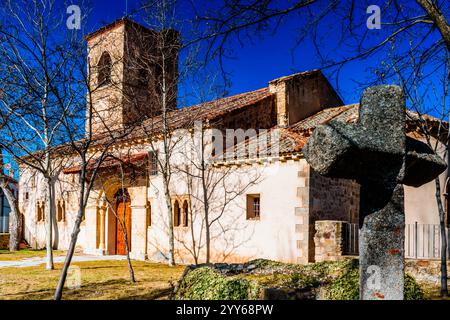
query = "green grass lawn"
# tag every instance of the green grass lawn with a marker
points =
(6, 255)
(99, 280)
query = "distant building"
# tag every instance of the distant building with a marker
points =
(4, 213)
(5, 209)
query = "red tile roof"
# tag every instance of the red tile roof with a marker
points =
(206, 112)
(110, 162)
(294, 138)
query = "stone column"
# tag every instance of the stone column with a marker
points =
(90, 228)
(328, 240)
(381, 246)
(139, 232)
(101, 246)
(138, 222)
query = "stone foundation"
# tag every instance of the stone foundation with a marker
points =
(4, 240)
(428, 271)
(328, 240)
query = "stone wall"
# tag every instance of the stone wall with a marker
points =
(302, 95)
(328, 240)
(4, 240)
(262, 115)
(426, 271)
(331, 199)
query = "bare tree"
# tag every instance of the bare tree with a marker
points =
(91, 145)
(35, 67)
(162, 69)
(427, 93)
(419, 29)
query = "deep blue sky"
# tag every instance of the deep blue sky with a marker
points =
(256, 63)
(263, 59)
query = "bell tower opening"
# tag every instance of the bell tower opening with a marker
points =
(127, 63)
(104, 69)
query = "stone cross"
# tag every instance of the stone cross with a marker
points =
(377, 154)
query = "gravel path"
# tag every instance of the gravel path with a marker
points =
(32, 262)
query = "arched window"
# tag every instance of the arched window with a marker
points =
(40, 211)
(61, 211)
(185, 213)
(104, 69)
(176, 214)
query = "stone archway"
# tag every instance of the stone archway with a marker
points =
(104, 234)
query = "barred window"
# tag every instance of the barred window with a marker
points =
(253, 207)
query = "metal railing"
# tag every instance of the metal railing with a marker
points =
(423, 241)
(351, 239)
(4, 224)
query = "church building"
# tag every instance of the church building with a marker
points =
(260, 204)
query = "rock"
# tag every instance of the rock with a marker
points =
(251, 267)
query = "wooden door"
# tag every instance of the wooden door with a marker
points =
(123, 210)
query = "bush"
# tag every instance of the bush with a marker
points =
(208, 284)
(412, 289)
(345, 287)
(334, 280)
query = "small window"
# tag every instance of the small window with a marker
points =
(185, 213)
(104, 69)
(27, 196)
(61, 211)
(40, 211)
(253, 207)
(176, 214)
(153, 163)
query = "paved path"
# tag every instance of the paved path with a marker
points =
(32, 262)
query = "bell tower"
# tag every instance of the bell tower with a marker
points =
(127, 65)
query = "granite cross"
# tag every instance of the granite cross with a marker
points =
(381, 158)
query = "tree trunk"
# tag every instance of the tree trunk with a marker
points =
(205, 199)
(70, 252)
(49, 224)
(444, 288)
(73, 240)
(206, 207)
(15, 222)
(55, 234)
(435, 14)
(127, 247)
(170, 224)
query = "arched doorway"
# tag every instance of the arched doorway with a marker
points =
(123, 219)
